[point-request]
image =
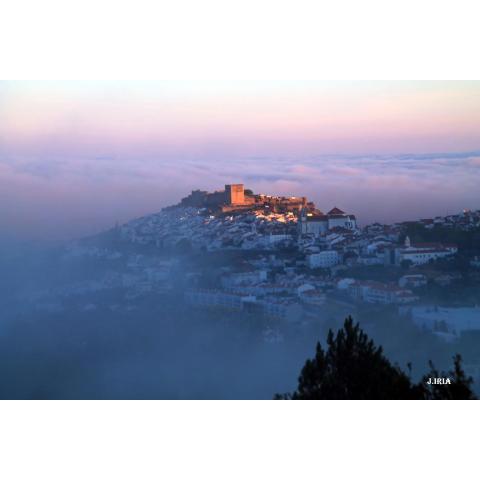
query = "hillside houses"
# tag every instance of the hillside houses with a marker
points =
(447, 323)
(316, 222)
(296, 255)
(381, 293)
(171, 227)
(421, 253)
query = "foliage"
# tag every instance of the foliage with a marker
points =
(466, 240)
(460, 388)
(352, 367)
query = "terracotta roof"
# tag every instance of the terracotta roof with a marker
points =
(426, 245)
(336, 211)
(434, 245)
(430, 250)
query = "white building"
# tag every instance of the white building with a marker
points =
(216, 298)
(279, 237)
(421, 253)
(475, 262)
(244, 278)
(313, 297)
(304, 287)
(325, 259)
(285, 309)
(344, 283)
(447, 320)
(319, 223)
(371, 259)
(412, 281)
(376, 292)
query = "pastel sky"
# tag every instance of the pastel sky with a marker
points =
(77, 156)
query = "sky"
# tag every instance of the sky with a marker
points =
(75, 157)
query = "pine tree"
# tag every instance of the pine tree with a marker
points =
(458, 389)
(352, 367)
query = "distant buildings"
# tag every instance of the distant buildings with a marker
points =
(270, 306)
(465, 221)
(217, 298)
(325, 259)
(446, 321)
(421, 253)
(236, 198)
(276, 240)
(313, 297)
(377, 292)
(317, 223)
(412, 281)
(475, 262)
(244, 278)
(285, 309)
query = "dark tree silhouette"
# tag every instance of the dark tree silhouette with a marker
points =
(352, 367)
(459, 389)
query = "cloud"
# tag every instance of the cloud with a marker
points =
(80, 193)
(475, 161)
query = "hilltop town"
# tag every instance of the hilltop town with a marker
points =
(285, 260)
(237, 218)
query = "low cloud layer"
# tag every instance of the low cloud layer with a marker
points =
(50, 198)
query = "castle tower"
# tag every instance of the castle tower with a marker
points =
(235, 194)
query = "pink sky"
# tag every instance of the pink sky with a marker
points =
(75, 151)
(253, 118)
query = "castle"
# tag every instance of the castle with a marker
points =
(235, 198)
